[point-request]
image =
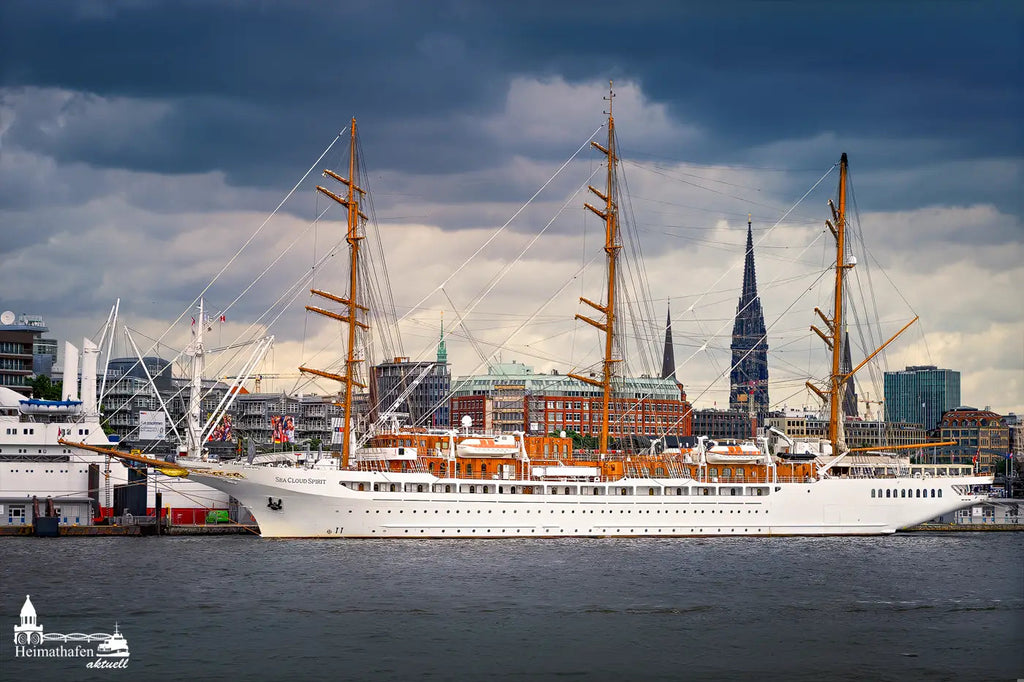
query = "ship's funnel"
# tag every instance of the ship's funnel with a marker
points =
(90, 354)
(69, 391)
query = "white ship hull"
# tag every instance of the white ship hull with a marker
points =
(328, 504)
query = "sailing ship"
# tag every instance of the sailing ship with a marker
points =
(446, 484)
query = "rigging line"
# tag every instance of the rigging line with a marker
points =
(751, 350)
(746, 200)
(506, 269)
(509, 221)
(668, 169)
(707, 341)
(528, 320)
(465, 329)
(249, 240)
(768, 232)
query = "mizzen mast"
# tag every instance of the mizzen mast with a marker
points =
(610, 215)
(833, 338)
(354, 310)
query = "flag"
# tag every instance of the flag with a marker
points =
(193, 320)
(223, 318)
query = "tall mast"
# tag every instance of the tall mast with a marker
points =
(833, 393)
(610, 215)
(836, 384)
(195, 397)
(352, 306)
(833, 339)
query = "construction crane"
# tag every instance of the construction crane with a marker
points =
(868, 402)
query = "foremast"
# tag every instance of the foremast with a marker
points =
(353, 310)
(833, 392)
(610, 215)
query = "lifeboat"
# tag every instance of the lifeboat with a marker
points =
(742, 453)
(487, 446)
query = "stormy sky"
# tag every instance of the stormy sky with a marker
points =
(144, 144)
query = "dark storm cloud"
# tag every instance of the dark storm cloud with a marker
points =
(255, 89)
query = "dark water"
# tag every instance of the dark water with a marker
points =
(942, 606)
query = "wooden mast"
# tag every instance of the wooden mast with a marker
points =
(833, 339)
(836, 383)
(833, 325)
(350, 317)
(610, 215)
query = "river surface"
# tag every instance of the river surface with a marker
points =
(943, 606)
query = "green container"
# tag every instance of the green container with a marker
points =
(218, 516)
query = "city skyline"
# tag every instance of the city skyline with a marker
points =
(131, 168)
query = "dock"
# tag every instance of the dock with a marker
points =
(138, 530)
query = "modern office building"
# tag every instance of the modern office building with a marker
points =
(18, 339)
(921, 395)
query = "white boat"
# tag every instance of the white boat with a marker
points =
(502, 445)
(81, 484)
(740, 453)
(114, 647)
(472, 491)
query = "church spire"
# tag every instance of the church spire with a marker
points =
(849, 389)
(668, 362)
(748, 377)
(442, 350)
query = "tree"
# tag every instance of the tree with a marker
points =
(44, 389)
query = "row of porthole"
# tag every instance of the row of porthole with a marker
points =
(698, 492)
(571, 511)
(890, 493)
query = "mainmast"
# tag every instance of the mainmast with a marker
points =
(353, 309)
(610, 215)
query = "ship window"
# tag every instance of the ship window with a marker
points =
(933, 492)
(447, 488)
(419, 488)
(940, 492)
(472, 488)
(918, 493)
(392, 489)
(903, 493)
(727, 472)
(739, 473)
(376, 487)
(566, 491)
(483, 468)
(888, 493)
(713, 472)
(679, 491)
(622, 491)
(872, 492)
(361, 487)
